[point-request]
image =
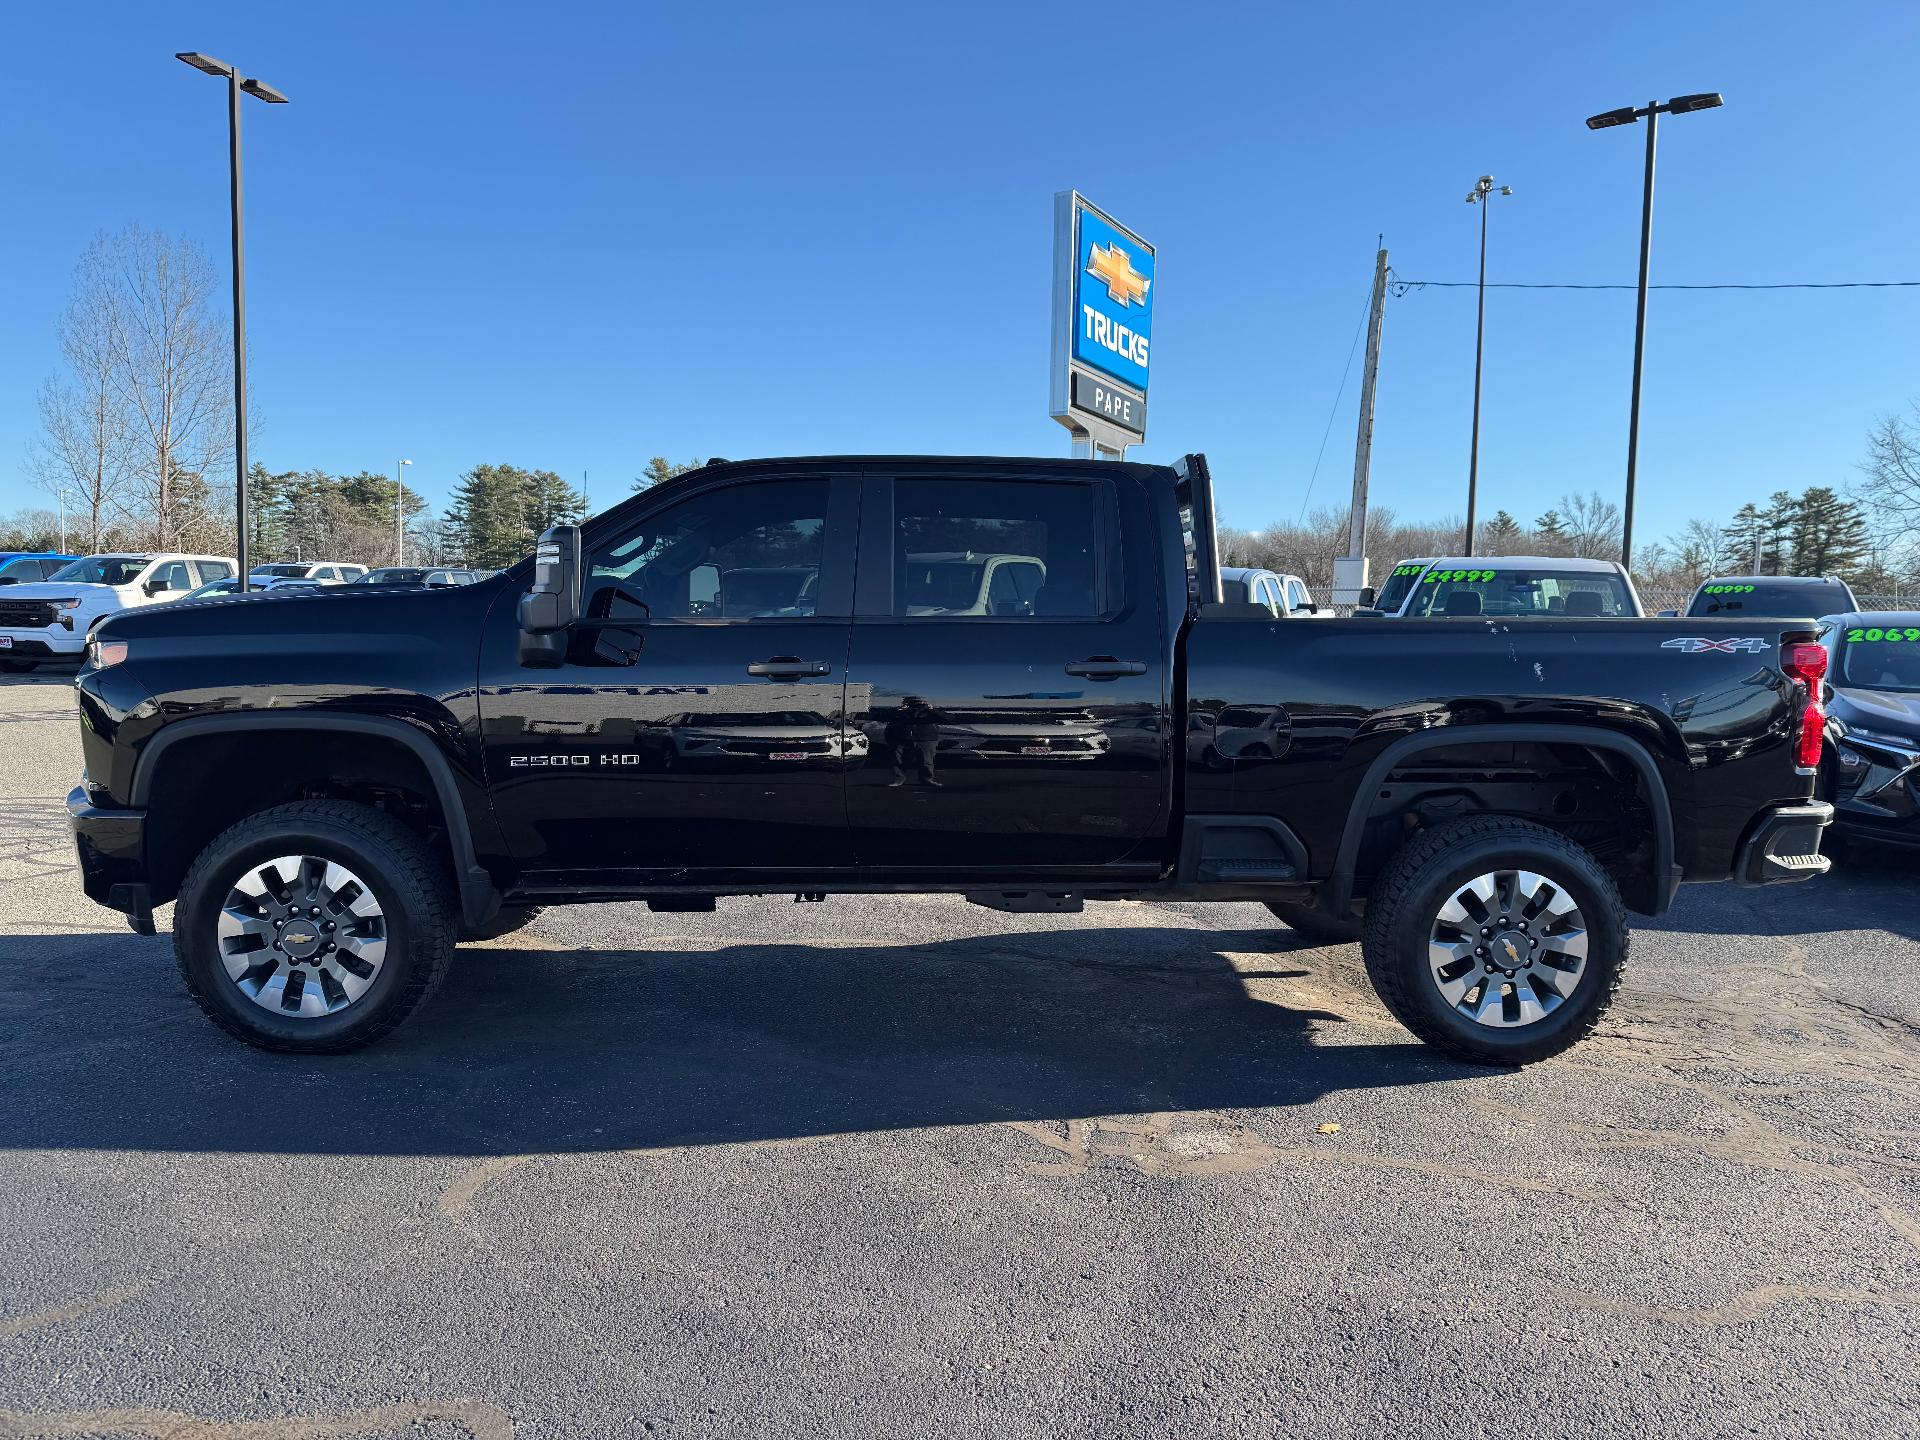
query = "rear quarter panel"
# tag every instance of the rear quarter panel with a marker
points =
(1718, 725)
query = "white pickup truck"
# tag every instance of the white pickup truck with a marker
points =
(50, 620)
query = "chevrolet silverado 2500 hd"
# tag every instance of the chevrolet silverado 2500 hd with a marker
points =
(335, 788)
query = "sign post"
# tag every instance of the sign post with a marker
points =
(1103, 287)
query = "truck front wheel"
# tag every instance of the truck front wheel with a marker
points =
(314, 927)
(1496, 940)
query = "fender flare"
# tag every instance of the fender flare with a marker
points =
(479, 899)
(1337, 893)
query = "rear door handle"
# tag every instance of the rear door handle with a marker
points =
(788, 667)
(1105, 667)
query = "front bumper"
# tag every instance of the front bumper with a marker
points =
(53, 643)
(112, 852)
(1784, 846)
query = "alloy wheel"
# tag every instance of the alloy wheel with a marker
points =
(302, 936)
(1508, 948)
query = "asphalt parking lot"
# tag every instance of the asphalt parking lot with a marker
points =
(908, 1167)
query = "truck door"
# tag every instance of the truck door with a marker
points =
(710, 735)
(1007, 675)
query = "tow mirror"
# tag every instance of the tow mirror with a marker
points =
(1366, 597)
(552, 603)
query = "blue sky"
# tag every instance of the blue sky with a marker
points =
(575, 236)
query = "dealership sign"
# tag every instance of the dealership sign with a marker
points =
(1103, 292)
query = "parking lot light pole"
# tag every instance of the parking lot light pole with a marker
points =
(236, 83)
(1481, 195)
(400, 512)
(1679, 105)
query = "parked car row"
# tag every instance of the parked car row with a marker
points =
(51, 603)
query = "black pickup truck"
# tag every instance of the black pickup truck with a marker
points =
(1010, 679)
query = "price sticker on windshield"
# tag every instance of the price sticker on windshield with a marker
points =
(1726, 589)
(1434, 577)
(1875, 635)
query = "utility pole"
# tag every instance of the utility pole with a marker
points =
(1350, 571)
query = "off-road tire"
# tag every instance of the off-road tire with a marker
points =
(506, 920)
(406, 879)
(1414, 885)
(1314, 923)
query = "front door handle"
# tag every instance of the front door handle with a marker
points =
(1105, 667)
(788, 667)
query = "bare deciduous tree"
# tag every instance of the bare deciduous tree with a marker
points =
(173, 374)
(82, 458)
(1891, 489)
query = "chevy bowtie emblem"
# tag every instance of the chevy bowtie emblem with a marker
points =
(1513, 954)
(1111, 266)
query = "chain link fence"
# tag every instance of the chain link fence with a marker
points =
(1656, 598)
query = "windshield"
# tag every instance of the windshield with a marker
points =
(1590, 594)
(1397, 586)
(294, 571)
(1766, 601)
(392, 577)
(21, 567)
(1882, 657)
(102, 570)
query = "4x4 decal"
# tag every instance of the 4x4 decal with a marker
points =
(1696, 645)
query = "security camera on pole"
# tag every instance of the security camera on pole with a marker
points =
(1103, 288)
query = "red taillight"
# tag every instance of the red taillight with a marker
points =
(1808, 664)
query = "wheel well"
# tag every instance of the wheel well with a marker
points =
(1596, 797)
(209, 782)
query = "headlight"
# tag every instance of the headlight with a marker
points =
(102, 653)
(65, 604)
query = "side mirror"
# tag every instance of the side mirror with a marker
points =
(1364, 600)
(156, 587)
(552, 603)
(1669, 614)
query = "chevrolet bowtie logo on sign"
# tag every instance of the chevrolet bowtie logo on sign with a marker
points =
(1112, 268)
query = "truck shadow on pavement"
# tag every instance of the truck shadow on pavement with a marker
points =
(691, 1040)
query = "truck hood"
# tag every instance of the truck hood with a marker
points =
(52, 590)
(1891, 712)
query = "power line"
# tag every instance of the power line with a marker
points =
(1338, 394)
(1402, 287)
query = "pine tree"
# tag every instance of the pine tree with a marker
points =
(1829, 533)
(1500, 533)
(1744, 536)
(498, 512)
(1550, 531)
(660, 469)
(1776, 532)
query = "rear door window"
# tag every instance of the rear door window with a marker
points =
(954, 540)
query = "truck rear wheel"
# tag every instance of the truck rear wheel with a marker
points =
(314, 927)
(1315, 923)
(1496, 940)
